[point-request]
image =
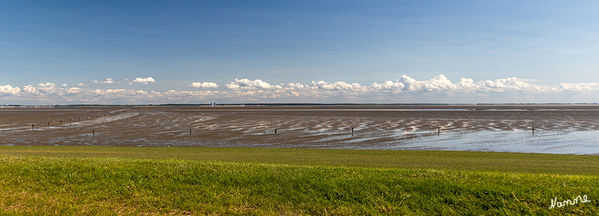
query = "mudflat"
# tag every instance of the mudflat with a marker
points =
(438, 127)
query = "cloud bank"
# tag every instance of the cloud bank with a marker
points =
(405, 89)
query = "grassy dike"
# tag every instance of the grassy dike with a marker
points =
(123, 180)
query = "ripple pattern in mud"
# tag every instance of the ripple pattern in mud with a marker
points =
(297, 128)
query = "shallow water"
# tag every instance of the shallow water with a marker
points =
(574, 142)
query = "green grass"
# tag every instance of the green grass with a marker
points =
(444, 160)
(120, 180)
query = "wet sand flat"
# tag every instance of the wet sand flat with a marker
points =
(568, 129)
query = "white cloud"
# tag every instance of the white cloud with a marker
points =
(440, 83)
(9, 90)
(581, 87)
(295, 86)
(74, 90)
(144, 81)
(251, 84)
(106, 81)
(204, 85)
(29, 89)
(389, 85)
(119, 92)
(409, 84)
(47, 85)
(339, 85)
(502, 85)
(42, 89)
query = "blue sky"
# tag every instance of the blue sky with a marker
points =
(74, 43)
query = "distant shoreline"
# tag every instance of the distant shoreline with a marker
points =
(477, 106)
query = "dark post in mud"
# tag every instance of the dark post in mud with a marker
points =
(352, 131)
(93, 133)
(189, 132)
(533, 130)
(275, 131)
(32, 126)
(438, 130)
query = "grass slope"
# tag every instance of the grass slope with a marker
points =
(446, 160)
(108, 180)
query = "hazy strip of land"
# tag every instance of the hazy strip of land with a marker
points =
(334, 105)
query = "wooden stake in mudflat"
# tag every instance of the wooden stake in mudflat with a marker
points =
(275, 131)
(32, 126)
(533, 130)
(189, 132)
(352, 131)
(93, 133)
(438, 130)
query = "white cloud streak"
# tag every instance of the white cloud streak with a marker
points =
(250, 84)
(144, 81)
(106, 81)
(203, 85)
(580, 87)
